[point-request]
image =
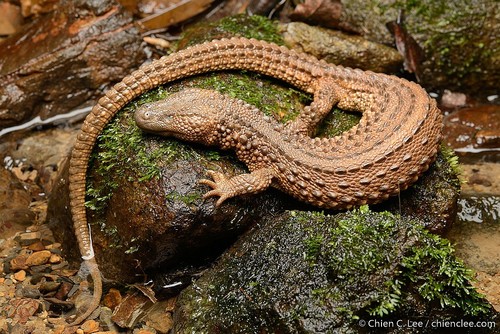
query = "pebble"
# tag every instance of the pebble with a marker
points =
(112, 299)
(55, 258)
(20, 275)
(36, 246)
(30, 236)
(49, 286)
(55, 245)
(38, 258)
(19, 262)
(143, 331)
(90, 326)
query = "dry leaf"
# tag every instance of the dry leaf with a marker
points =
(407, 46)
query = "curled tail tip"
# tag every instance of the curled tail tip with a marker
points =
(97, 294)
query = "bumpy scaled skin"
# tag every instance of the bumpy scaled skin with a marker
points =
(381, 156)
(361, 166)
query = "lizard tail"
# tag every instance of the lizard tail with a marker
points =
(96, 297)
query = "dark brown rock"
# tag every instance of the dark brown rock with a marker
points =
(14, 201)
(85, 45)
(305, 272)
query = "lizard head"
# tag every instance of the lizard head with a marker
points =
(187, 115)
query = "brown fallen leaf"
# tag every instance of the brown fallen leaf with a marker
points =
(407, 46)
(178, 11)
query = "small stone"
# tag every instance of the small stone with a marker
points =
(29, 292)
(60, 265)
(20, 275)
(59, 329)
(68, 272)
(38, 258)
(44, 268)
(63, 291)
(143, 331)
(49, 286)
(55, 245)
(54, 258)
(112, 299)
(453, 99)
(28, 236)
(90, 326)
(37, 246)
(19, 262)
(158, 319)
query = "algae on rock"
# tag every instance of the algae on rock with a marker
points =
(307, 272)
(459, 38)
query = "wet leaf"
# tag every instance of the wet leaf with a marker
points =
(407, 46)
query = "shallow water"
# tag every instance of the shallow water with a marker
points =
(476, 233)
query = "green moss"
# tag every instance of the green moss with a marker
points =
(369, 242)
(453, 42)
(269, 96)
(446, 278)
(452, 165)
(254, 26)
(188, 199)
(337, 122)
(112, 163)
(308, 271)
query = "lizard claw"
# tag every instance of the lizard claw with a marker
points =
(220, 187)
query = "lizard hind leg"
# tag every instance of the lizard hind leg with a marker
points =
(325, 97)
(250, 183)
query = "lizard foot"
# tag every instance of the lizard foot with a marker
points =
(225, 188)
(220, 187)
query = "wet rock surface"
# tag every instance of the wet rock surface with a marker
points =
(309, 273)
(85, 45)
(474, 131)
(190, 244)
(459, 38)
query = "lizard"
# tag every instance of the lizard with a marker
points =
(364, 165)
(410, 132)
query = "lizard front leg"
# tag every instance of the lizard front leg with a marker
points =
(252, 183)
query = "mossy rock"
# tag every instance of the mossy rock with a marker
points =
(144, 203)
(459, 38)
(143, 197)
(306, 272)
